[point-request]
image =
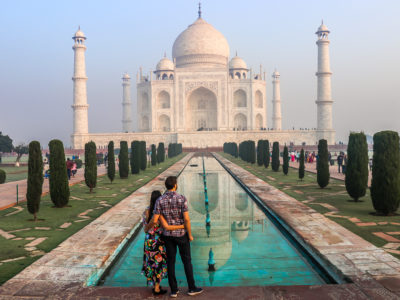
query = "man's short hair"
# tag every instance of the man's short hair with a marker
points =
(170, 182)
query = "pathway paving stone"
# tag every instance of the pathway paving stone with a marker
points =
(6, 235)
(386, 237)
(392, 246)
(65, 225)
(18, 209)
(42, 228)
(366, 224)
(354, 220)
(36, 242)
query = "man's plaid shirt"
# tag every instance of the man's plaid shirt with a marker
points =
(172, 206)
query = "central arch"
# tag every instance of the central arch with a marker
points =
(201, 110)
(240, 122)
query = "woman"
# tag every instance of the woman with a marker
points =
(155, 257)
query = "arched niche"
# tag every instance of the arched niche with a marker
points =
(145, 102)
(201, 110)
(259, 99)
(259, 121)
(164, 123)
(240, 121)
(239, 98)
(145, 123)
(163, 100)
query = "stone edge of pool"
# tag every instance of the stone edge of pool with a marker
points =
(81, 259)
(84, 256)
(342, 250)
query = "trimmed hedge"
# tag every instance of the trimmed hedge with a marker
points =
(247, 151)
(174, 149)
(143, 155)
(3, 176)
(267, 154)
(90, 165)
(301, 165)
(59, 187)
(323, 164)
(231, 148)
(123, 160)
(160, 153)
(111, 162)
(35, 178)
(385, 185)
(285, 166)
(135, 157)
(153, 155)
(356, 179)
(275, 163)
(79, 163)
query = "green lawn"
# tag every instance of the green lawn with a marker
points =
(308, 192)
(15, 173)
(105, 195)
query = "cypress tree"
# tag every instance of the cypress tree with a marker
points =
(252, 150)
(385, 185)
(275, 157)
(322, 164)
(301, 165)
(35, 178)
(59, 188)
(260, 146)
(285, 166)
(143, 155)
(356, 179)
(111, 162)
(153, 155)
(160, 153)
(3, 176)
(267, 156)
(123, 160)
(135, 157)
(90, 165)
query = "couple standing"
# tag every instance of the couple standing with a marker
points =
(167, 226)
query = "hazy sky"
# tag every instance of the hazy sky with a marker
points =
(36, 58)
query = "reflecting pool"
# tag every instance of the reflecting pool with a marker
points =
(246, 247)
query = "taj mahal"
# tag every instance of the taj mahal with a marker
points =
(203, 97)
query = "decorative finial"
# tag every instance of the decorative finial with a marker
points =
(79, 27)
(165, 54)
(199, 10)
(236, 52)
(322, 21)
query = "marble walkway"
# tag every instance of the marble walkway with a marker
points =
(8, 191)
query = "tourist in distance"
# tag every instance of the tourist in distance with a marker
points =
(73, 169)
(174, 208)
(69, 167)
(340, 161)
(155, 258)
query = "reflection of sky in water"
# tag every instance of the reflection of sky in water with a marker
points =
(248, 249)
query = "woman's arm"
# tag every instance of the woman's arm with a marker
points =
(165, 225)
(149, 224)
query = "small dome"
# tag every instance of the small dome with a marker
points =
(237, 63)
(323, 28)
(165, 64)
(79, 34)
(276, 74)
(126, 76)
(200, 44)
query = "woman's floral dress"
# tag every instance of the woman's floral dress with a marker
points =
(155, 257)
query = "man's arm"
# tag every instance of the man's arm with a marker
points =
(187, 224)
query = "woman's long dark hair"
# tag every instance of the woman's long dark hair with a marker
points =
(154, 196)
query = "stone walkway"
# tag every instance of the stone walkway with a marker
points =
(8, 191)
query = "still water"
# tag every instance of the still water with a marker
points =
(247, 248)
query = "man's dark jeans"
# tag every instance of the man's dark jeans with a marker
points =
(171, 242)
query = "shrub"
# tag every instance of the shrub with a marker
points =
(275, 157)
(90, 165)
(111, 162)
(160, 153)
(267, 156)
(123, 160)
(385, 185)
(285, 166)
(260, 152)
(59, 188)
(3, 176)
(356, 179)
(153, 155)
(252, 149)
(322, 164)
(301, 165)
(79, 163)
(143, 155)
(135, 157)
(35, 178)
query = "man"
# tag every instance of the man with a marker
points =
(174, 209)
(69, 168)
(340, 161)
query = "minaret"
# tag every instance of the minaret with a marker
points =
(126, 103)
(324, 100)
(80, 105)
(276, 102)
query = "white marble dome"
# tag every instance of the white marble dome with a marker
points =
(165, 64)
(126, 76)
(79, 34)
(237, 63)
(200, 44)
(322, 28)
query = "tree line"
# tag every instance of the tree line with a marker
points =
(385, 184)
